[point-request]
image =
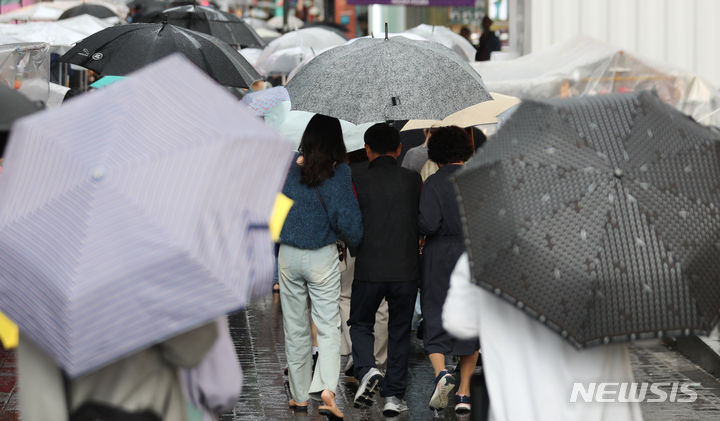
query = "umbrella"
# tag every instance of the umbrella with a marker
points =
(14, 105)
(97, 10)
(293, 22)
(292, 125)
(257, 23)
(339, 28)
(285, 53)
(446, 37)
(284, 61)
(119, 50)
(222, 25)
(599, 216)
(261, 102)
(139, 223)
(482, 113)
(375, 79)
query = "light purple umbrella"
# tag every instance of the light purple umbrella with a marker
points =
(125, 214)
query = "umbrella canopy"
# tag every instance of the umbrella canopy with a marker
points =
(222, 25)
(483, 113)
(293, 22)
(599, 216)
(139, 224)
(446, 37)
(50, 11)
(285, 53)
(284, 61)
(261, 102)
(97, 10)
(122, 49)
(60, 35)
(396, 79)
(257, 23)
(14, 105)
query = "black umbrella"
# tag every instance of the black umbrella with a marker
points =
(13, 105)
(599, 216)
(222, 25)
(119, 50)
(97, 10)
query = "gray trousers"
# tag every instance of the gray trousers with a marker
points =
(312, 274)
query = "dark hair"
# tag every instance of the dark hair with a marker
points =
(382, 138)
(322, 148)
(449, 144)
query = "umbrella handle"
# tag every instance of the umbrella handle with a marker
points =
(386, 32)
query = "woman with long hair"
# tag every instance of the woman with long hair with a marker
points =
(324, 211)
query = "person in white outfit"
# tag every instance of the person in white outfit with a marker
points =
(529, 369)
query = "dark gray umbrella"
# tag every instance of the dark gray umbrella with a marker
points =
(222, 25)
(373, 79)
(119, 50)
(599, 216)
(97, 10)
(13, 105)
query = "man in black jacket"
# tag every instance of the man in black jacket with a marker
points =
(386, 266)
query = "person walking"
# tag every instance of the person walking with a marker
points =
(324, 210)
(387, 266)
(488, 42)
(439, 220)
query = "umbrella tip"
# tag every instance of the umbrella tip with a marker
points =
(386, 32)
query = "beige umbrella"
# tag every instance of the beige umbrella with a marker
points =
(483, 113)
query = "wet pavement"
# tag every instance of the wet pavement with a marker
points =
(258, 337)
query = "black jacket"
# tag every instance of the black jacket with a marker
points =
(389, 198)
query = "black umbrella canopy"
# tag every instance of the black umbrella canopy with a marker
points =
(97, 10)
(599, 216)
(222, 25)
(119, 50)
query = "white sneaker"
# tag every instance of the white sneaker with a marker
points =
(394, 406)
(444, 384)
(368, 386)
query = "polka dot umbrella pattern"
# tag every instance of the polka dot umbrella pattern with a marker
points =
(600, 217)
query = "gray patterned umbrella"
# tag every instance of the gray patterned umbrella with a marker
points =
(599, 216)
(373, 79)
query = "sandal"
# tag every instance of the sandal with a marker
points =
(332, 412)
(298, 406)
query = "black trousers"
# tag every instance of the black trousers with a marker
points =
(364, 302)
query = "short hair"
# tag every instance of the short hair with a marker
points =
(382, 138)
(449, 144)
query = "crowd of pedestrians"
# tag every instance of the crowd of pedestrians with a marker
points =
(404, 236)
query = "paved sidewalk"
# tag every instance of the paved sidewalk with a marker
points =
(258, 336)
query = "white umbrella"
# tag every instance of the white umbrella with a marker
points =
(446, 37)
(137, 225)
(50, 11)
(251, 55)
(60, 35)
(283, 54)
(292, 124)
(293, 22)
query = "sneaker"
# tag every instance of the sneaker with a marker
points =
(394, 406)
(444, 384)
(368, 386)
(462, 404)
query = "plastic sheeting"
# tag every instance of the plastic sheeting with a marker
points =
(26, 68)
(60, 35)
(584, 66)
(446, 37)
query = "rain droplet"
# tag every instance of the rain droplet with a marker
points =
(588, 170)
(520, 304)
(606, 340)
(688, 169)
(591, 187)
(502, 212)
(542, 319)
(546, 198)
(550, 150)
(583, 235)
(564, 333)
(647, 288)
(644, 185)
(633, 336)
(618, 172)
(639, 242)
(684, 214)
(557, 273)
(601, 155)
(493, 173)
(497, 291)
(626, 156)
(650, 133)
(516, 250)
(593, 125)
(631, 198)
(98, 173)
(611, 198)
(644, 168)
(514, 141)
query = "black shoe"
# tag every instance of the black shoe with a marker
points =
(420, 328)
